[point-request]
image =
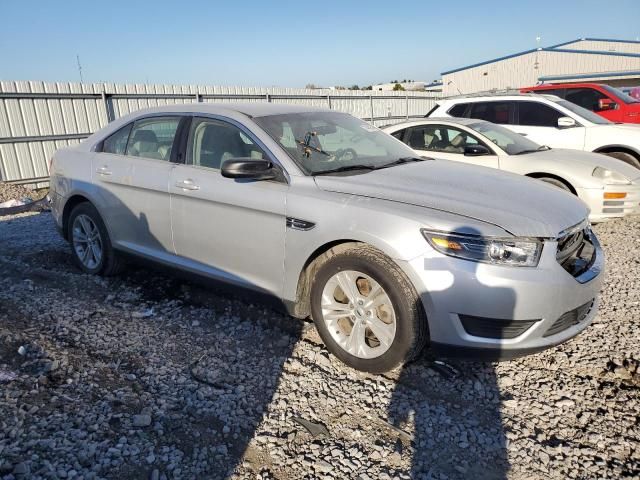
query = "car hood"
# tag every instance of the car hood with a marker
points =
(581, 158)
(519, 205)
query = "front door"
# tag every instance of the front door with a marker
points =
(539, 122)
(229, 229)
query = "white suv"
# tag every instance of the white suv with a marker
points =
(549, 120)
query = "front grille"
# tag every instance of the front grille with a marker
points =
(576, 252)
(494, 328)
(569, 319)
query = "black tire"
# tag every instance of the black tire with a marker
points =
(626, 158)
(556, 183)
(411, 323)
(111, 262)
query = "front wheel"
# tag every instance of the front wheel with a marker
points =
(366, 310)
(556, 183)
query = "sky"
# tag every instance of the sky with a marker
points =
(288, 44)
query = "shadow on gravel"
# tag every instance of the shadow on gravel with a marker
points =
(452, 406)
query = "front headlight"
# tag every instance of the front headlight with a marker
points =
(610, 177)
(517, 252)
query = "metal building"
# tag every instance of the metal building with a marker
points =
(615, 62)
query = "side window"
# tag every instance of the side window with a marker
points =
(458, 110)
(585, 97)
(153, 138)
(117, 142)
(212, 142)
(538, 115)
(439, 138)
(494, 112)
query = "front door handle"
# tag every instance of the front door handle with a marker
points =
(103, 171)
(187, 185)
(522, 133)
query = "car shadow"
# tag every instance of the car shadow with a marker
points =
(453, 406)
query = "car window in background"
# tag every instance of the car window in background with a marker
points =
(584, 113)
(399, 134)
(321, 142)
(153, 138)
(440, 138)
(511, 142)
(536, 114)
(585, 97)
(458, 110)
(620, 94)
(495, 112)
(117, 142)
(212, 142)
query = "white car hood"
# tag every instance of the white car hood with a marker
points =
(584, 159)
(519, 205)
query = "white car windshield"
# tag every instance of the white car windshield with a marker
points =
(511, 142)
(328, 142)
(584, 113)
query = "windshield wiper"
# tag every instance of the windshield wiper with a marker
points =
(541, 148)
(403, 160)
(346, 168)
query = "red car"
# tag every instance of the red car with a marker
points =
(608, 102)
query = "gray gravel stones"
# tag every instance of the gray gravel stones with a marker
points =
(148, 376)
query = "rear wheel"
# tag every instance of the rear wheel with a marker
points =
(90, 243)
(366, 310)
(625, 157)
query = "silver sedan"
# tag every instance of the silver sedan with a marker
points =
(386, 251)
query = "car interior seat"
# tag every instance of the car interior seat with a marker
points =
(145, 144)
(218, 143)
(457, 144)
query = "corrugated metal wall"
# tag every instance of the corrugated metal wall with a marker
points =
(522, 71)
(603, 46)
(36, 118)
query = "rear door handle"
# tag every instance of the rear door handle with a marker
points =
(103, 171)
(187, 185)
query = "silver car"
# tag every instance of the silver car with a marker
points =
(386, 251)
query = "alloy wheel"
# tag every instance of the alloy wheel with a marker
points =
(87, 242)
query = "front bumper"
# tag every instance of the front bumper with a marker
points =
(463, 299)
(603, 209)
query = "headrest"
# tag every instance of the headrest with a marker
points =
(144, 136)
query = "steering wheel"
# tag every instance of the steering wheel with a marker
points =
(347, 155)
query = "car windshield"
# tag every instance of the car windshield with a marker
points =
(323, 142)
(511, 142)
(620, 94)
(584, 113)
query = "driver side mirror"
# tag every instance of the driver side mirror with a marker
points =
(606, 104)
(476, 150)
(249, 168)
(566, 122)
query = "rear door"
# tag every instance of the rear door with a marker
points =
(447, 142)
(590, 98)
(230, 229)
(539, 122)
(133, 185)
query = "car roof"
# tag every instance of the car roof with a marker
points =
(250, 109)
(484, 98)
(425, 120)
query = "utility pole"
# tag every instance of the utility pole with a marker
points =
(79, 67)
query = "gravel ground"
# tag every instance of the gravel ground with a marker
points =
(151, 376)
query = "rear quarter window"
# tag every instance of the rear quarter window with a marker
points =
(458, 110)
(116, 143)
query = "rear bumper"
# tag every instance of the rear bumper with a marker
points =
(517, 311)
(603, 209)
